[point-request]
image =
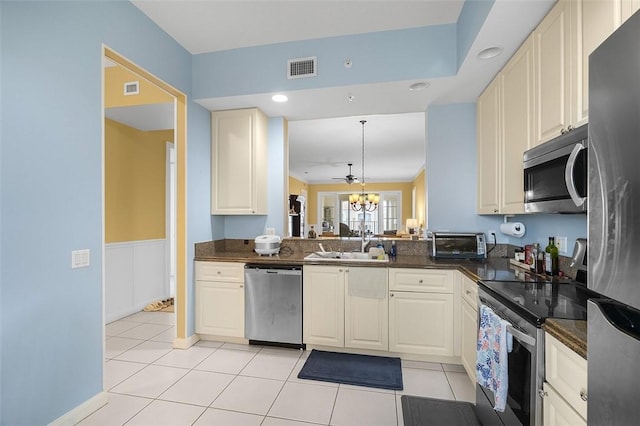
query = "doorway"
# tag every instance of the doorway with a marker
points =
(174, 252)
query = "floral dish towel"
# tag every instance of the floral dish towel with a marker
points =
(494, 343)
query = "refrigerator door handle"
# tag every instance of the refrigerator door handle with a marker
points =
(568, 175)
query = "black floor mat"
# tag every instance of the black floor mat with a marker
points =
(418, 411)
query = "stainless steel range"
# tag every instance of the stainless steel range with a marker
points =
(526, 305)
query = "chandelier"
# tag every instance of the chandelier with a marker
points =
(363, 201)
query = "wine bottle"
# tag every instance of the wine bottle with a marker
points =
(551, 258)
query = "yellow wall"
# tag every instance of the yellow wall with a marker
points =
(404, 187)
(419, 184)
(135, 170)
(114, 80)
(296, 186)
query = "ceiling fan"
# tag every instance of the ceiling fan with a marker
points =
(350, 178)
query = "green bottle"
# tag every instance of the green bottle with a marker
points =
(551, 258)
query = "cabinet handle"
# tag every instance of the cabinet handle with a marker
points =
(583, 395)
(495, 210)
(420, 282)
(570, 128)
(391, 295)
(468, 292)
(340, 270)
(542, 393)
(241, 286)
(563, 131)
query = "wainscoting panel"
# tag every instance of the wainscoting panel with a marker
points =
(136, 275)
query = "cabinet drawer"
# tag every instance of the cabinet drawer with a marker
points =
(220, 271)
(421, 280)
(566, 371)
(470, 291)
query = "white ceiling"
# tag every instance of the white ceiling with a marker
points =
(144, 117)
(324, 128)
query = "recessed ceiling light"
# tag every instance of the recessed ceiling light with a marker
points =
(416, 87)
(279, 98)
(350, 97)
(490, 52)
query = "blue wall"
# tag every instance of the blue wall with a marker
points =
(451, 181)
(426, 52)
(51, 192)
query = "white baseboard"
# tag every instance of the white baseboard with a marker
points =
(81, 411)
(186, 343)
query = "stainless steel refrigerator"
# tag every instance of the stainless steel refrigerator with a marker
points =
(613, 347)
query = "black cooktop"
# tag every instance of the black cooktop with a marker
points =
(537, 301)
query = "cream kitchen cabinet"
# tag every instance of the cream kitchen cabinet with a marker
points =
(628, 8)
(488, 149)
(421, 319)
(517, 126)
(239, 162)
(505, 131)
(219, 299)
(339, 311)
(469, 326)
(563, 42)
(366, 308)
(323, 305)
(553, 63)
(565, 387)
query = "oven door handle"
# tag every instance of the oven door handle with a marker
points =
(568, 175)
(519, 335)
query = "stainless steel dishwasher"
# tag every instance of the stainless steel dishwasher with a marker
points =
(273, 304)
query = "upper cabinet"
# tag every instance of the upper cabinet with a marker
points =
(552, 41)
(563, 42)
(541, 93)
(238, 162)
(488, 116)
(505, 131)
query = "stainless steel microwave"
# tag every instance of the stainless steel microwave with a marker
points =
(555, 174)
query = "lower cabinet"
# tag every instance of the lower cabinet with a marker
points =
(323, 305)
(421, 321)
(556, 411)
(565, 386)
(469, 326)
(342, 307)
(219, 299)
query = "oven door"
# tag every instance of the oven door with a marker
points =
(524, 405)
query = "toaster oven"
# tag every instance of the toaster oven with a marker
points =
(458, 245)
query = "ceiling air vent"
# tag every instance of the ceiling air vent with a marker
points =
(131, 88)
(302, 67)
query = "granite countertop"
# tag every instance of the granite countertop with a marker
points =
(572, 333)
(413, 257)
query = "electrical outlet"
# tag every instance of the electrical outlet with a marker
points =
(561, 243)
(492, 235)
(271, 231)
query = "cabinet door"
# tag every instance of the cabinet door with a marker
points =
(517, 126)
(220, 308)
(552, 44)
(366, 311)
(488, 119)
(566, 371)
(556, 411)
(323, 305)
(469, 339)
(595, 20)
(421, 323)
(238, 159)
(629, 7)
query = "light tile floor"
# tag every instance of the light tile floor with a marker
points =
(213, 383)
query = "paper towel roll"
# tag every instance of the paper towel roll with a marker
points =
(514, 229)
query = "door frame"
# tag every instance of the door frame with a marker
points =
(182, 339)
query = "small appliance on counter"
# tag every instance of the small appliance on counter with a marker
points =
(267, 245)
(458, 245)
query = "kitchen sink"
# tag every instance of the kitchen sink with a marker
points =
(336, 256)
